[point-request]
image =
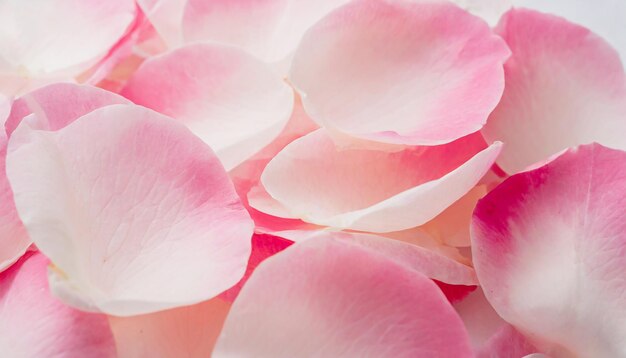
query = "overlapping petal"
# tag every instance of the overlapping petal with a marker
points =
(124, 200)
(57, 39)
(35, 324)
(232, 101)
(327, 297)
(549, 249)
(564, 86)
(268, 29)
(373, 190)
(189, 331)
(420, 73)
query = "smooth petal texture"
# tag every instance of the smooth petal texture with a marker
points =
(233, 102)
(549, 248)
(166, 16)
(373, 190)
(34, 324)
(60, 104)
(507, 342)
(135, 212)
(389, 71)
(603, 17)
(267, 29)
(188, 332)
(330, 298)
(42, 38)
(565, 86)
(480, 319)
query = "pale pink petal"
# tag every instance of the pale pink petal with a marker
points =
(565, 86)
(480, 319)
(14, 240)
(34, 324)
(188, 332)
(373, 190)
(507, 342)
(46, 38)
(268, 29)
(60, 104)
(451, 226)
(233, 102)
(604, 17)
(166, 16)
(549, 249)
(400, 72)
(135, 212)
(330, 298)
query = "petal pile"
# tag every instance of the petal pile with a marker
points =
(296, 178)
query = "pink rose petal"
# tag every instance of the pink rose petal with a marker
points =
(136, 213)
(268, 29)
(549, 248)
(189, 331)
(420, 73)
(373, 190)
(35, 324)
(330, 298)
(565, 86)
(233, 102)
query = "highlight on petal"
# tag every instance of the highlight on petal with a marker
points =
(603, 17)
(422, 73)
(189, 331)
(136, 213)
(508, 342)
(548, 247)
(330, 298)
(565, 87)
(35, 324)
(43, 38)
(233, 102)
(59, 104)
(373, 190)
(268, 29)
(166, 16)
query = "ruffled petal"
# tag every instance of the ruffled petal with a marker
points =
(371, 189)
(135, 212)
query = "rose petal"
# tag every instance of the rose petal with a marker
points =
(565, 86)
(330, 298)
(373, 190)
(166, 16)
(604, 17)
(136, 213)
(42, 38)
(189, 331)
(400, 72)
(233, 102)
(60, 104)
(507, 342)
(35, 324)
(268, 29)
(480, 319)
(549, 248)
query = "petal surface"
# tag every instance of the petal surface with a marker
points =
(549, 249)
(43, 37)
(60, 104)
(603, 17)
(135, 201)
(188, 332)
(420, 73)
(268, 29)
(233, 102)
(565, 86)
(330, 298)
(35, 324)
(373, 190)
